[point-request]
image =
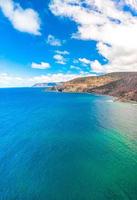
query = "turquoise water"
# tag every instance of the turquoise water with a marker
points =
(56, 146)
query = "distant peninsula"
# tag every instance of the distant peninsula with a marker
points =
(47, 85)
(122, 85)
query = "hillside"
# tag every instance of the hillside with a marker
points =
(122, 85)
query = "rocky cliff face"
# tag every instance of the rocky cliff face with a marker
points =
(124, 88)
(121, 85)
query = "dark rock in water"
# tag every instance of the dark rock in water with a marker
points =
(60, 90)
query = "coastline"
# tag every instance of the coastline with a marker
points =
(114, 98)
(121, 86)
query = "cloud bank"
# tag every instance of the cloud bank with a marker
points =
(9, 80)
(107, 23)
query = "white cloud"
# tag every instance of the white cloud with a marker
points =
(59, 77)
(131, 3)
(97, 67)
(107, 23)
(84, 61)
(53, 41)
(8, 80)
(94, 65)
(59, 59)
(62, 52)
(41, 65)
(120, 58)
(24, 20)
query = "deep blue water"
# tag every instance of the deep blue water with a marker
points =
(59, 146)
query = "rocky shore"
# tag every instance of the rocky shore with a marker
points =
(122, 85)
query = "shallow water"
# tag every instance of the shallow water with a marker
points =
(59, 146)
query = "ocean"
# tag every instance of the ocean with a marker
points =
(66, 146)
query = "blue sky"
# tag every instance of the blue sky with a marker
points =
(43, 41)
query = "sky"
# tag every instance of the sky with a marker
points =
(58, 40)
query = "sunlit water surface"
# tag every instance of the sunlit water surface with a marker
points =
(59, 146)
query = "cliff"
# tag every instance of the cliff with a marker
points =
(122, 85)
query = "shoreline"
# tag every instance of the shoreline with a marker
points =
(114, 99)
